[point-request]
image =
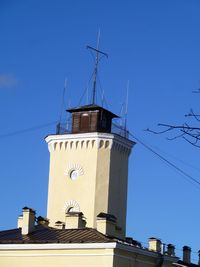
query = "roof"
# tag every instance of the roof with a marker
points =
(45, 234)
(91, 107)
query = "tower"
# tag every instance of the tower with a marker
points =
(89, 168)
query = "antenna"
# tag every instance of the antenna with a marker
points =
(97, 59)
(126, 106)
(121, 115)
(102, 98)
(87, 95)
(63, 99)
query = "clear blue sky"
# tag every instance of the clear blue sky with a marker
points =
(154, 44)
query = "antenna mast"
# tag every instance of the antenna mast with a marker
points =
(126, 107)
(95, 69)
(96, 66)
(63, 100)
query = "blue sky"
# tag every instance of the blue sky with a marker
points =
(154, 44)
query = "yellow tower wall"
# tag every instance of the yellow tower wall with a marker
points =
(101, 161)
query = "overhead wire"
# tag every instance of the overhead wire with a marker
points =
(177, 159)
(34, 128)
(169, 163)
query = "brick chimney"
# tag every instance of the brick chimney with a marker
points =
(27, 222)
(155, 244)
(187, 254)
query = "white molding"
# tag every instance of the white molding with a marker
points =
(73, 166)
(52, 139)
(55, 255)
(56, 246)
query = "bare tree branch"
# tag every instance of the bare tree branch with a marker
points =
(192, 114)
(189, 133)
(197, 91)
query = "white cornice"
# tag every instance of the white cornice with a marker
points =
(56, 246)
(88, 136)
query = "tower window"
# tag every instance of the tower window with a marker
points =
(71, 209)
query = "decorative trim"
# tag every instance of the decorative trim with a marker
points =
(88, 140)
(73, 166)
(56, 246)
(71, 204)
(57, 255)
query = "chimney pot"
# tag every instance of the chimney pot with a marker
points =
(186, 254)
(42, 221)
(59, 225)
(170, 250)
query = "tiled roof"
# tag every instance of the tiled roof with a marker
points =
(44, 234)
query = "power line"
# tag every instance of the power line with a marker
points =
(177, 159)
(188, 176)
(34, 128)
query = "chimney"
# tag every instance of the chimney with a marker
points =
(186, 254)
(59, 225)
(28, 222)
(74, 220)
(155, 244)
(20, 221)
(106, 224)
(171, 250)
(42, 221)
